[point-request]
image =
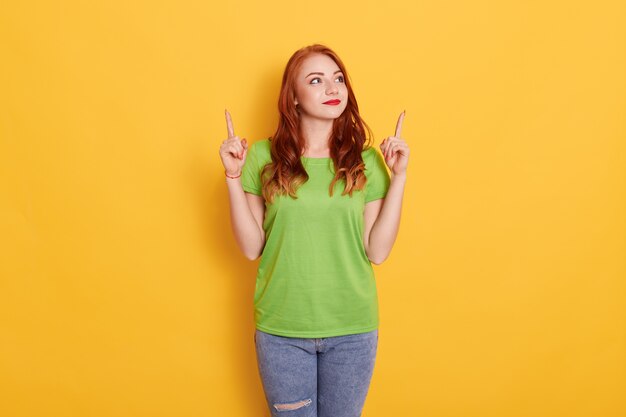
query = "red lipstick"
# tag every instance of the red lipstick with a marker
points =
(332, 102)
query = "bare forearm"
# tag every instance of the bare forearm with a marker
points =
(248, 233)
(385, 229)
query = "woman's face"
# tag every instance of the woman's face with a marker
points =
(320, 88)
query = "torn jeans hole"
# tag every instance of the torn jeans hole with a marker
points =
(292, 406)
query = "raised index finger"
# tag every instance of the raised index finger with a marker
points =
(399, 124)
(229, 125)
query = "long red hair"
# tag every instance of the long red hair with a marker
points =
(349, 137)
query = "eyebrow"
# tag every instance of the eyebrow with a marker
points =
(321, 73)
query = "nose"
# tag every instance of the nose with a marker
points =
(332, 89)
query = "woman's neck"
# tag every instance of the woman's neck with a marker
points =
(316, 134)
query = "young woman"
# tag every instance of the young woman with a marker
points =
(316, 202)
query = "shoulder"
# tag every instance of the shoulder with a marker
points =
(375, 166)
(262, 150)
(371, 156)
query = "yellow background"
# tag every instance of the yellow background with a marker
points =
(123, 292)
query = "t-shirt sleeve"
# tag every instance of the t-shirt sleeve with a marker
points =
(251, 172)
(378, 179)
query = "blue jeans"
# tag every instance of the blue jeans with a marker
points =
(305, 377)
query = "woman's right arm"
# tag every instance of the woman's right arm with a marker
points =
(247, 210)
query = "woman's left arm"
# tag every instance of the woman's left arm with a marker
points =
(382, 217)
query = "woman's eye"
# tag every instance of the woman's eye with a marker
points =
(319, 80)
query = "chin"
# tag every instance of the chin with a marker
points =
(335, 113)
(334, 116)
(328, 114)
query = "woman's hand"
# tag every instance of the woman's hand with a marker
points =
(233, 151)
(395, 150)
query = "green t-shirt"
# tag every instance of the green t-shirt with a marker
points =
(314, 278)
